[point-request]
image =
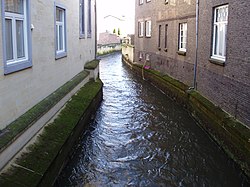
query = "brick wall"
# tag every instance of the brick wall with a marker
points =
(227, 86)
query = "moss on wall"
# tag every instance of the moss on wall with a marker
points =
(33, 167)
(17, 127)
(92, 64)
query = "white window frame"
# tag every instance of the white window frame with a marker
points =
(17, 64)
(82, 18)
(61, 52)
(140, 56)
(219, 39)
(140, 2)
(183, 37)
(148, 28)
(140, 28)
(147, 57)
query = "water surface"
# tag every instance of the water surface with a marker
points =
(140, 137)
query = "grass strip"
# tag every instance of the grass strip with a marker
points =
(42, 153)
(31, 116)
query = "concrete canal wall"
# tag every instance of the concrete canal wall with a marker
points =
(39, 163)
(230, 134)
(108, 48)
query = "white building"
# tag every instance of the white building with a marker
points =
(44, 44)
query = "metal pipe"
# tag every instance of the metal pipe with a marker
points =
(95, 9)
(196, 45)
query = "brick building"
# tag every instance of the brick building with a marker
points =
(165, 39)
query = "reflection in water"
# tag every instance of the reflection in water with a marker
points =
(142, 138)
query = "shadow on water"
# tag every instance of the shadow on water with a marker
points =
(140, 137)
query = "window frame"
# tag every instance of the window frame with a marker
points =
(89, 28)
(140, 55)
(140, 2)
(147, 1)
(219, 24)
(82, 19)
(140, 29)
(148, 28)
(17, 64)
(166, 37)
(159, 36)
(184, 36)
(60, 53)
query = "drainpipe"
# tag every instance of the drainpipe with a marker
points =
(196, 46)
(95, 30)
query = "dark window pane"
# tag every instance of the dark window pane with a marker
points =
(15, 6)
(8, 38)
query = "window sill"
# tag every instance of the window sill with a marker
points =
(183, 53)
(82, 36)
(148, 36)
(15, 67)
(61, 55)
(217, 62)
(89, 35)
(140, 36)
(166, 49)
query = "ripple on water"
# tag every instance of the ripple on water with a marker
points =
(142, 138)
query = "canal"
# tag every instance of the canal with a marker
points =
(140, 137)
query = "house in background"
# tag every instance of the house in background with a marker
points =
(165, 39)
(44, 45)
(106, 38)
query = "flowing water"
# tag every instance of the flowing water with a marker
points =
(140, 137)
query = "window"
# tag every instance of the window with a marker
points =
(140, 28)
(89, 19)
(159, 37)
(166, 37)
(16, 35)
(60, 32)
(220, 32)
(148, 28)
(82, 19)
(148, 1)
(140, 56)
(147, 57)
(140, 2)
(183, 37)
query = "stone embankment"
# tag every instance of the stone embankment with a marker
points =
(230, 134)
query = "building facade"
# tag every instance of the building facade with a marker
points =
(217, 64)
(44, 45)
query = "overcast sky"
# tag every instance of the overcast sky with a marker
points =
(118, 8)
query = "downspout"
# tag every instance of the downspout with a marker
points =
(95, 30)
(196, 46)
